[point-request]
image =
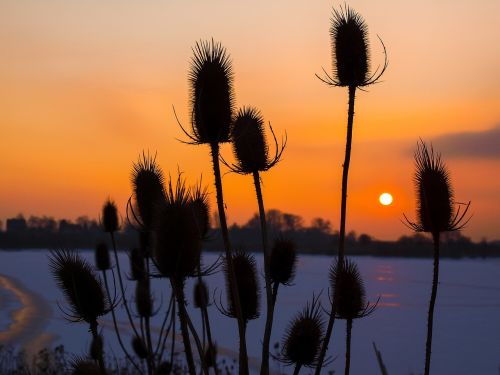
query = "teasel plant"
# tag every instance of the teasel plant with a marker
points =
(351, 69)
(350, 299)
(176, 251)
(303, 337)
(84, 293)
(248, 288)
(251, 152)
(435, 214)
(212, 103)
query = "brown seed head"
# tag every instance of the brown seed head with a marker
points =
(81, 366)
(110, 217)
(283, 261)
(137, 265)
(139, 347)
(143, 299)
(200, 295)
(102, 261)
(201, 210)
(96, 347)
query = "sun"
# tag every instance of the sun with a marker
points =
(385, 199)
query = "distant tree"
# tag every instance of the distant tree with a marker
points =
(292, 222)
(364, 239)
(321, 225)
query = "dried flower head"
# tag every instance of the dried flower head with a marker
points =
(211, 82)
(303, 337)
(211, 356)
(80, 285)
(102, 261)
(283, 260)
(96, 347)
(148, 189)
(201, 210)
(143, 298)
(350, 51)
(164, 368)
(137, 265)
(435, 211)
(110, 217)
(82, 366)
(245, 272)
(200, 294)
(139, 347)
(348, 290)
(177, 241)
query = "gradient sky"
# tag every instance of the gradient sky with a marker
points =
(87, 85)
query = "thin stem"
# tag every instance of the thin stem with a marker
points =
(343, 213)
(264, 369)
(179, 295)
(100, 357)
(243, 357)
(197, 342)
(296, 370)
(430, 315)
(348, 346)
(148, 332)
(115, 325)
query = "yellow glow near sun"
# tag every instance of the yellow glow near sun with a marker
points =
(385, 199)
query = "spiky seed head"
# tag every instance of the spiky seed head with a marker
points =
(211, 82)
(177, 242)
(303, 337)
(211, 356)
(81, 366)
(102, 261)
(249, 141)
(164, 368)
(148, 188)
(80, 285)
(350, 51)
(283, 261)
(434, 193)
(143, 299)
(96, 347)
(245, 272)
(139, 347)
(348, 290)
(200, 294)
(201, 210)
(110, 217)
(137, 265)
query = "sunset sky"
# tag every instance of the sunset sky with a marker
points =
(87, 85)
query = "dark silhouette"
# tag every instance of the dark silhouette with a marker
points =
(435, 214)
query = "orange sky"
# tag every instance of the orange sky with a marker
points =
(86, 86)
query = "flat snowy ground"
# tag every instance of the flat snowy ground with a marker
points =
(466, 323)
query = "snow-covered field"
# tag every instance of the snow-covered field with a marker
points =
(467, 315)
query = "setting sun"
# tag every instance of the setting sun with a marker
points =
(385, 199)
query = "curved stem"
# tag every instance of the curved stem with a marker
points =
(264, 369)
(343, 213)
(95, 336)
(348, 346)
(243, 357)
(430, 315)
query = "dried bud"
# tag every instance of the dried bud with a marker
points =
(164, 368)
(139, 347)
(137, 265)
(143, 299)
(82, 366)
(200, 295)
(96, 347)
(102, 261)
(201, 210)
(283, 260)
(110, 217)
(211, 356)
(211, 93)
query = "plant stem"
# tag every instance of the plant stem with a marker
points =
(343, 213)
(95, 336)
(296, 370)
(179, 295)
(348, 346)
(430, 315)
(243, 357)
(264, 369)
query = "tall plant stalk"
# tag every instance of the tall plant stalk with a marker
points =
(348, 346)
(432, 302)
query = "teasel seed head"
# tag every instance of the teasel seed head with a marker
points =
(143, 298)
(137, 265)
(201, 210)
(303, 337)
(177, 241)
(211, 81)
(164, 368)
(200, 294)
(283, 261)
(435, 212)
(80, 285)
(245, 272)
(148, 188)
(81, 366)
(96, 347)
(211, 356)
(110, 217)
(139, 347)
(348, 290)
(102, 261)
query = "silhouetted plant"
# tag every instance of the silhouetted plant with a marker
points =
(350, 299)
(435, 214)
(251, 152)
(351, 69)
(303, 338)
(211, 81)
(83, 291)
